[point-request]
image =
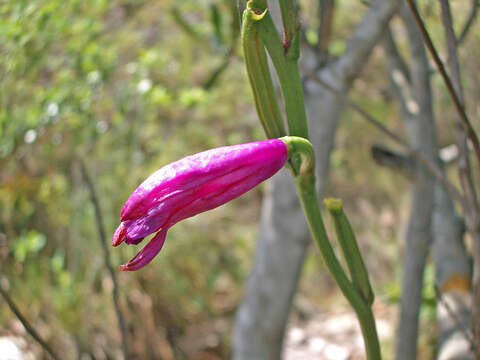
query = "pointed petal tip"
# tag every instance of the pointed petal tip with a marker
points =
(147, 254)
(119, 235)
(124, 267)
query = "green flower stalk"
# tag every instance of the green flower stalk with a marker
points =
(302, 161)
(351, 252)
(259, 74)
(258, 33)
(284, 54)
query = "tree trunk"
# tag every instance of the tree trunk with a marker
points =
(412, 85)
(453, 273)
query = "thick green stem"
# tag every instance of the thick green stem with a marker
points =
(289, 22)
(259, 75)
(286, 66)
(308, 196)
(285, 61)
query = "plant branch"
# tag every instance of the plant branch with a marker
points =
(434, 169)
(259, 73)
(387, 157)
(470, 132)
(289, 21)
(288, 77)
(325, 29)
(26, 324)
(184, 25)
(106, 255)
(364, 38)
(215, 75)
(308, 197)
(302, 163)
(468, 24)
(235, 34)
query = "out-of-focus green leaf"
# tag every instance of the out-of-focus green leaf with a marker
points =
(29, 242)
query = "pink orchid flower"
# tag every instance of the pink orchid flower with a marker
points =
(192, 185)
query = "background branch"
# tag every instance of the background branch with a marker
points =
(470, 132)
(471, 210)
(362, 40)
(434, 169)
(468, 24)
(106, 256)
(325, 28)
(387, 157)
(26, 324)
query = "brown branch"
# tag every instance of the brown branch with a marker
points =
(470, 132)
(325, 29)
(26, 324)
(434, 169)
(106, 255)
(469, 22)
(387, 157)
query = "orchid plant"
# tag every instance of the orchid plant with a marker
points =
(206, 180)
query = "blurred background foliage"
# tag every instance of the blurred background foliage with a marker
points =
(127, 86)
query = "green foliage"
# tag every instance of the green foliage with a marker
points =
(27, 243)
(120, 85)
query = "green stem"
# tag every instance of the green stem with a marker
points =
(351, 252)
(258, 31)
(259, 75)
(308, 196)
(286, 66)
(302, 162)
(289, 21)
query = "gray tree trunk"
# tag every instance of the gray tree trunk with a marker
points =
(414, 94)
(432, 214)
(283, 239)
(453, 273)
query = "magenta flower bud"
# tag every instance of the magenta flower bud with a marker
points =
(192, 185)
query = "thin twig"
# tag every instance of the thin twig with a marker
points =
(106, 255)
(470, 132)
(26, 324)
(215, 75)
(469, 22)
(434, 169)
(467, 333)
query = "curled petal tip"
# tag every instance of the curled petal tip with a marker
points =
(119, 235)
(147, 253)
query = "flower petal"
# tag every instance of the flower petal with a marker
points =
(198, 169)
(119, 234)
(147, 253)
(134, 241)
